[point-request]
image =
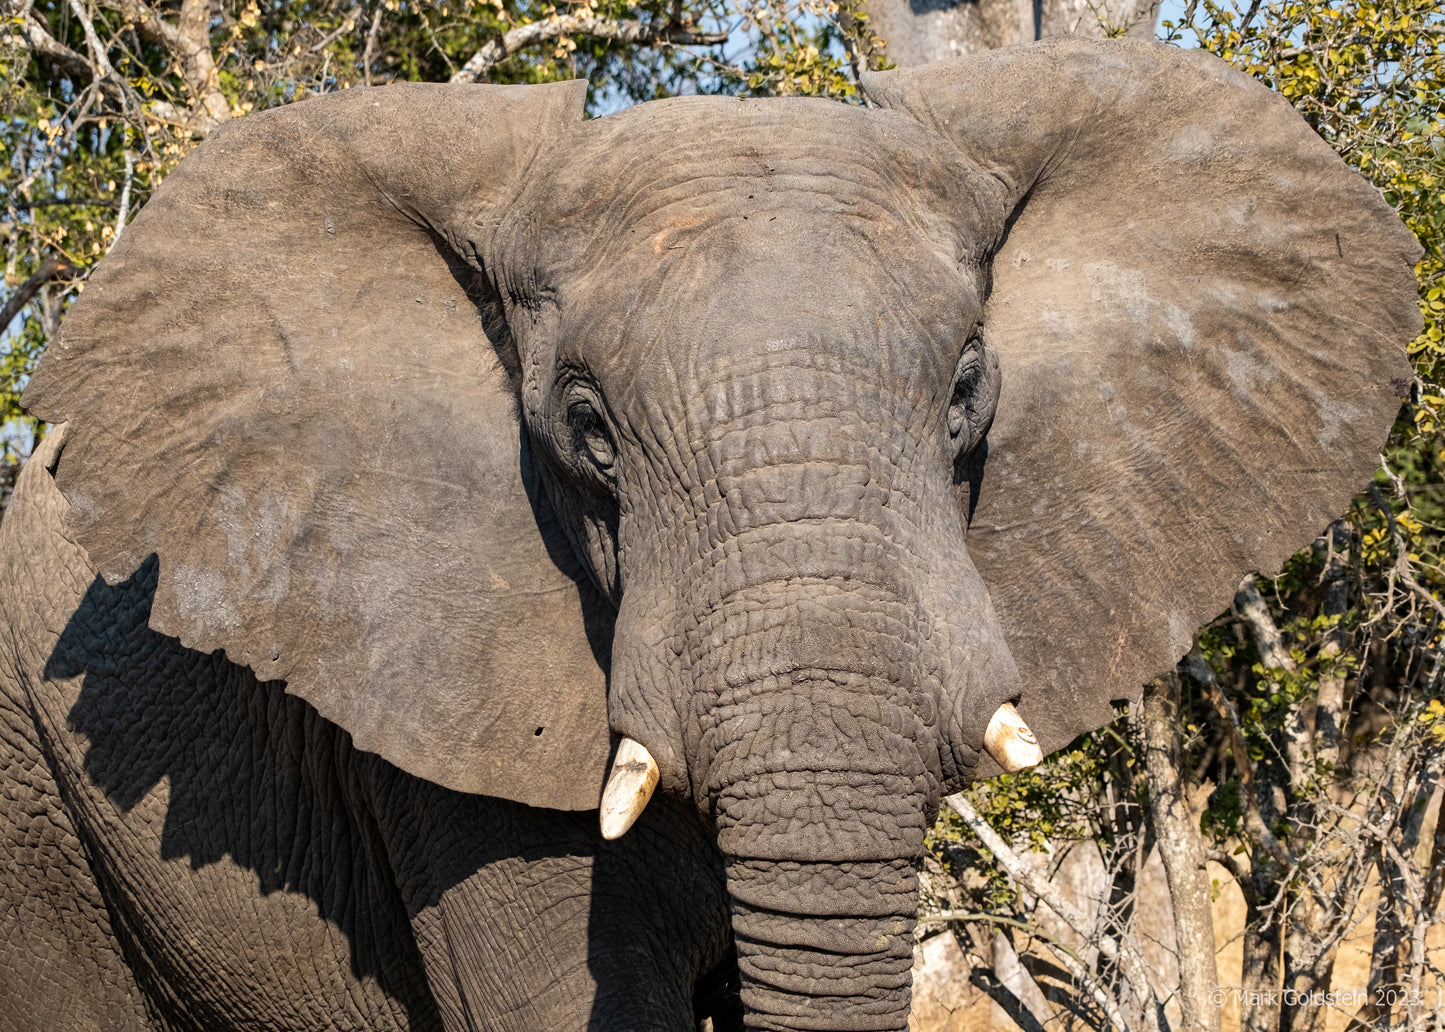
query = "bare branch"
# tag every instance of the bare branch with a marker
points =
(189, 43)
(191, 51)
(150, 23)
(1244, 766)
(20, 204)
(371, 35)
(346, 26)
(1242, 876)
(92, 41)
(124, 199)
(1253, 610)
(32, 35)
(1401, 569)
(198, 64)
(1062, 950)
(1120, 953)
(49, 269)
(1330, 708)
(583, 23)
(1032, 1011)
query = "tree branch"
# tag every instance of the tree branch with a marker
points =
(34, 36)
(371, 34)
(198, 64)
(1255, 612)
(49, 269)
(62, 202)
(124, 212)
(92, 41)
(1070, 958)
(1242, 876)
(1118, 952)
(1401, 570)
(1331, 709)
(581, 24)
(150, 23)
(1254, 820)
(192, 53)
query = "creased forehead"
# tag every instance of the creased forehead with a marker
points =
(620, 191)
(780, 277)
(730, 301)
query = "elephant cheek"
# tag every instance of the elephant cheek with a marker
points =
(646, 683)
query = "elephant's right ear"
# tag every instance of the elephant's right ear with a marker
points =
(282, 383)
(1200, 315)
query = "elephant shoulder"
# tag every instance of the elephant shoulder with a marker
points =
(44, 574)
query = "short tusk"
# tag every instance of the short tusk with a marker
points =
(1010, 742)
(629, 787)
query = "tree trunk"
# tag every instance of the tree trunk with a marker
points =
(918, 31)
(1260, 1010)
(1311, 750)
(1182, 851)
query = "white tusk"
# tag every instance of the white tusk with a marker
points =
(1010, 742)
(629, 787)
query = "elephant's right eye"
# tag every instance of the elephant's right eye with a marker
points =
(589, 433)
(974, 395)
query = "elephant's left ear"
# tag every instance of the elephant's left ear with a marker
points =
(1200, 315)
(285, 383)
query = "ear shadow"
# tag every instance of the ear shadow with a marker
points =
(970, 470)
(599, 619)
(253, 776)
(659, 936)
(597, 613)
(478, 289)
(258, 779)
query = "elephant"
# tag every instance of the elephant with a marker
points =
(498, 569)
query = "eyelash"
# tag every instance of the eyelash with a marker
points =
(966, 377)
(590, 436)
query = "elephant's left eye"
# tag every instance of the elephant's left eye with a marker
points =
(589, 433)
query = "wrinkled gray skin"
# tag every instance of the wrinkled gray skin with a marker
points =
(189, 848)
(432, 406)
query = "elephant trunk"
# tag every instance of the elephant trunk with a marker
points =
(821, 793)
(824, 945)
(829, 665)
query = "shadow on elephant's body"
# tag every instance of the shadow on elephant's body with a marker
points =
(246, 770)
(242, 771)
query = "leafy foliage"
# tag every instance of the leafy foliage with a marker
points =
(1049, 809)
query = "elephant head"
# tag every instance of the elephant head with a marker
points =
(783, 442)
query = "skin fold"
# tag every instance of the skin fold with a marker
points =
(788, 440)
